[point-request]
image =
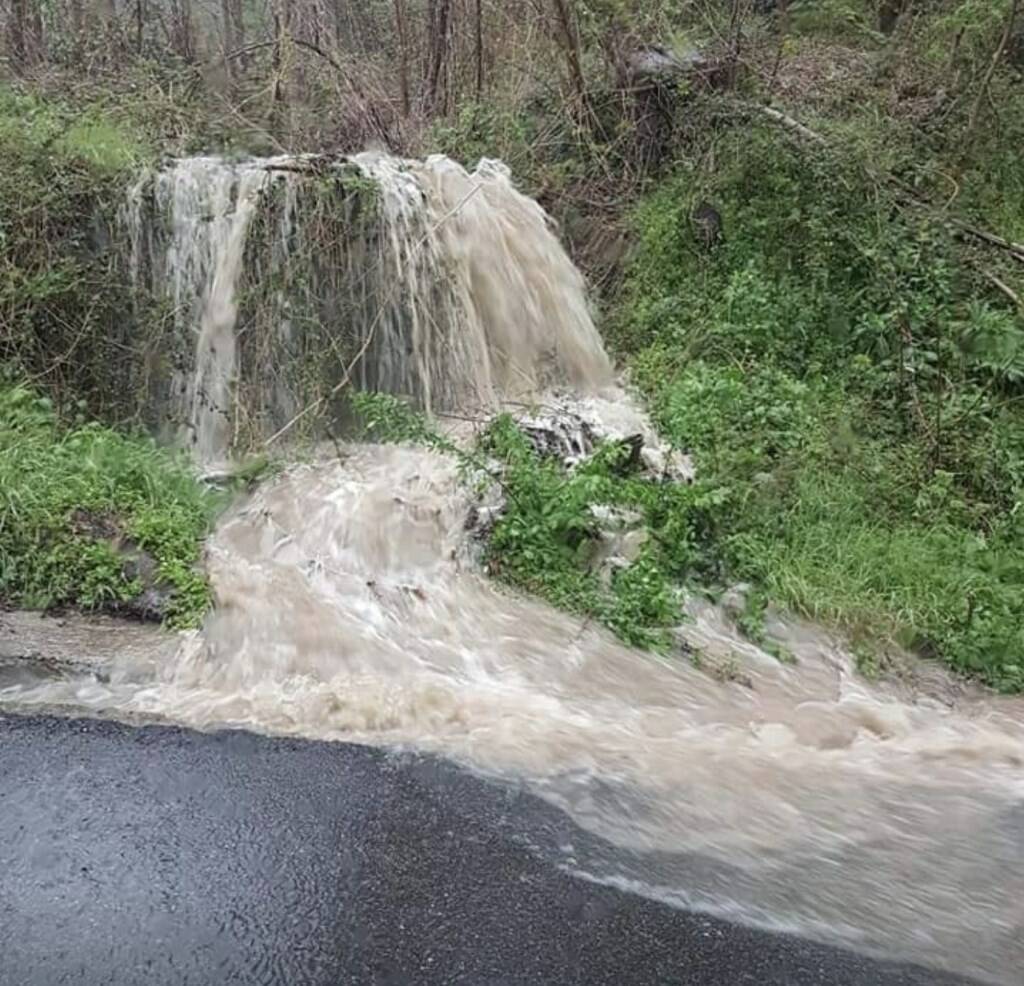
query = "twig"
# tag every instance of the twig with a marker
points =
(1004, 287)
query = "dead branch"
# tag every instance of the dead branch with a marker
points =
(1016, 250)
(1004, 287)
(777, 116)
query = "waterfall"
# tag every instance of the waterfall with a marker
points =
(415, 277)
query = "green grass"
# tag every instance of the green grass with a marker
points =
(74, 135)
(856, 394)
(849, 529)
(68, 493)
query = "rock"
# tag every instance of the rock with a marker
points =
(620, 539)
(615, 518)
(634, 446)
(734, 601)
(631, 544)
(569, 429)
(153, 602)
(658, 64)
(707, 221)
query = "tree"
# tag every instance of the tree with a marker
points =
(234, 32)
(25, 33)
(438, 54)
(403, 54)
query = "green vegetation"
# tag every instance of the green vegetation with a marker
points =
(846, 364)
(548, 536)
(547, 539)
(88, 516)
(844, 377)
(83, 507)
(62, 169)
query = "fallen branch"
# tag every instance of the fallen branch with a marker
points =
(783, 120)
(1004, 287)
(1016, 250)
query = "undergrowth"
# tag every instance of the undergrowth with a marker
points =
(836, 366)
(63, 170)
(78, 503)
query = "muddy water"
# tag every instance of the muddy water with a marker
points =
(457, 293)
(889, 817)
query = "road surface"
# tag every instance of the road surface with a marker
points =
(157, 855)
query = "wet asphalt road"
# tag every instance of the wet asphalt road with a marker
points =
(162, 856)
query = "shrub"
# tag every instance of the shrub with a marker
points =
(69, 494)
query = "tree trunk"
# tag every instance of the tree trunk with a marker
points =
(17, 33)
(479, 50)
(25, 33)
(280, 114)
(440, 43)
(782, 7)
(140, 24)
(403, 55)
(234, 34)
(889, 14)
(570, 44)
(182, 36)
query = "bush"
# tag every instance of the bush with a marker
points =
(835, 368)
(68, 496)
(62, 173)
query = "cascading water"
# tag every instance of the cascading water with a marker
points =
(349, 607)
(455, 292)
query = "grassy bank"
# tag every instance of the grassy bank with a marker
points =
(849, 380)
(93, 518)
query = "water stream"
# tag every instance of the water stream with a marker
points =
(887, 816)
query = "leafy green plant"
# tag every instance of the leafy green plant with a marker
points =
(547, 539)
(840, 374)
(77, 503)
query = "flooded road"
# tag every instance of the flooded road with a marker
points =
(881, 817)
(165, 856)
